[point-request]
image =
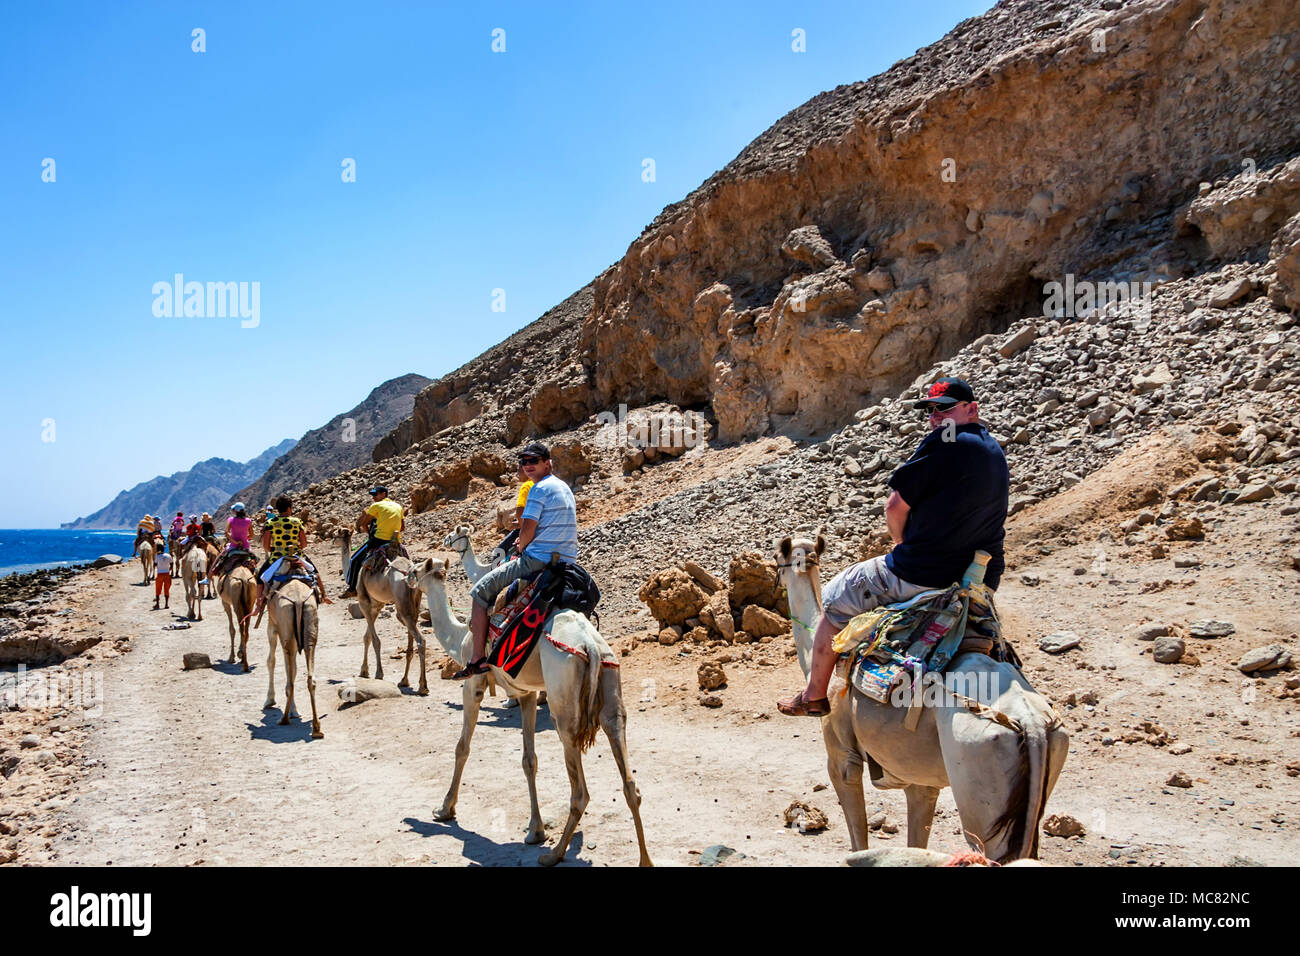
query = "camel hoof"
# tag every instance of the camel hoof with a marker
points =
(269, 705)
(549, 859)
(284, 720)
(534, 838)
(403, 683)
(317, 735)
(444, 816)
(423, 691)
(365, 672)
(246, 669)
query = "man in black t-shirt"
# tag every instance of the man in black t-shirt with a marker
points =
(948, 501)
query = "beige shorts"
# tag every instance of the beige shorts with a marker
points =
(862, 586)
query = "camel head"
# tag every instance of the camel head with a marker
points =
(428, 574)
(458, 540)
(798, 558)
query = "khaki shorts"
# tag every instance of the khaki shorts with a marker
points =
(501, 577)
(860, 587)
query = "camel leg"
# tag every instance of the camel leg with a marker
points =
(613, 720)
(578, 797)
(528, 721)
(414, 635)
(311, 691)
(410, 652)
(243, 642)
(920, 813)
(471, 699)
(270, 667)
(845, 769)
(290, 672)
(230, 623)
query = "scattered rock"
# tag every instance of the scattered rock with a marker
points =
(1222, 296)
(710, 700)
(760, 622)
(703, 578)
(1188, 528)
(1018, 341)
(354, 608)
(1058, 643)
(1269, 658)
(806, 817)
(1030, 580)
(106, 560)
(718, 854)
(1063, 825)
(1168, 650)
(670, 635)
(1257, 492)
(29, 741)
(672, 596)
(356, 690)
(711, 676)
(877, 820)
(753, 580)
(193, 661)
(1179, 779)
(1208, 628)
(1149, 632)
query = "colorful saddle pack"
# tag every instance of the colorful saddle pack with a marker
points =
(880, 647)
(529, 602)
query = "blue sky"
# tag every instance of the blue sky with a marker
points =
(475, 171)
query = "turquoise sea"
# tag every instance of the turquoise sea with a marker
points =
(34, 548)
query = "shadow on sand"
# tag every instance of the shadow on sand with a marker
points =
(480, 851)
(299, 729)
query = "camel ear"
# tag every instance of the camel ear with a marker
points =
(784, 548)
(821, 544)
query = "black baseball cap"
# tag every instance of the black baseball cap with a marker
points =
(536, 450)
(946, 392)
(377, 489)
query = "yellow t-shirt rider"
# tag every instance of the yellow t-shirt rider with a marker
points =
(383, 520)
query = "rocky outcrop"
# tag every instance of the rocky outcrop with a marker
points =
(882, 225)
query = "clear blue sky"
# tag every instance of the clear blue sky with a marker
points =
(474, 171)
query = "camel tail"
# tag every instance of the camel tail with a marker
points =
(1028, 798)
(591, 700)
(247, 597)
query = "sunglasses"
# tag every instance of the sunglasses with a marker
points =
(931, 409)
(530, 460)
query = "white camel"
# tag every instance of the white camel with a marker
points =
(394, 586)
(585, 697)
(459, 542)
(194, 566)
(293, 622)
(995, 741)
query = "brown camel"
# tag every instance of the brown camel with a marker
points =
(394, 585)
(238, 590)
(146, 559)
(292, 622)
(194, 567)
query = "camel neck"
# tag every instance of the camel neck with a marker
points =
(452, 633)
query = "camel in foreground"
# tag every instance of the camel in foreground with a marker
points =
(394, 585)
(459, 542)
(238, 590)
(194, 566)
(146, 559)
(293, 622)
(213, 552)
(996, 742)
(585, 697)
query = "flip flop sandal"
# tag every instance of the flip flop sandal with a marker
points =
(472, 669)
(799, 706)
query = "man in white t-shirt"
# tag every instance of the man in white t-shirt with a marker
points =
(549, 526)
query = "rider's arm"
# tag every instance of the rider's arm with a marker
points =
(896, 510)
(527, 531)
(266, 540)
(302, 538)
(363, 523)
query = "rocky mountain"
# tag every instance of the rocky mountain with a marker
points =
(192, 491)
(344, 442)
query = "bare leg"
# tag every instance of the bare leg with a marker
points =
(478, 622)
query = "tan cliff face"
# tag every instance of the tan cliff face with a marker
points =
(795, 291)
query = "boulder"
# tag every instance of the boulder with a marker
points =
(898, 856)
(1059, 643)
(669, 636)
(711, 676)
(808, 245)
(1179, 779)
(1208, 628)
(1149, 632)
(805, 817)
(1224, 295)
(193, 661)
(1269, 658)
(760, 622)
(1018, 341)
(40, 649)
(354, 609)
(1255, 492)
(752, 580)
(356, 690)
(672, 596)
(1168, 650)
(1186, 528)
(1063, 825)
(105, 560)
(703, 578)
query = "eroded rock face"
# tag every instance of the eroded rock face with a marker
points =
(1285, 257)
(672, 596)
(868, 232)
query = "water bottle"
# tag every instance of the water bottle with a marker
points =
(975, 573)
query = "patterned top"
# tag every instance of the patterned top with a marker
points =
(284, 535)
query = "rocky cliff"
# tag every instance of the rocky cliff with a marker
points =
(344, 442)
(192, 491)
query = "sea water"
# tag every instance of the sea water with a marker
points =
(34, 548)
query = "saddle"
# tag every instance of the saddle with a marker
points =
(378, 560)
(880, 647)
(529, 602)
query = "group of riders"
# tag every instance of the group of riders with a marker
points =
(947, 501)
